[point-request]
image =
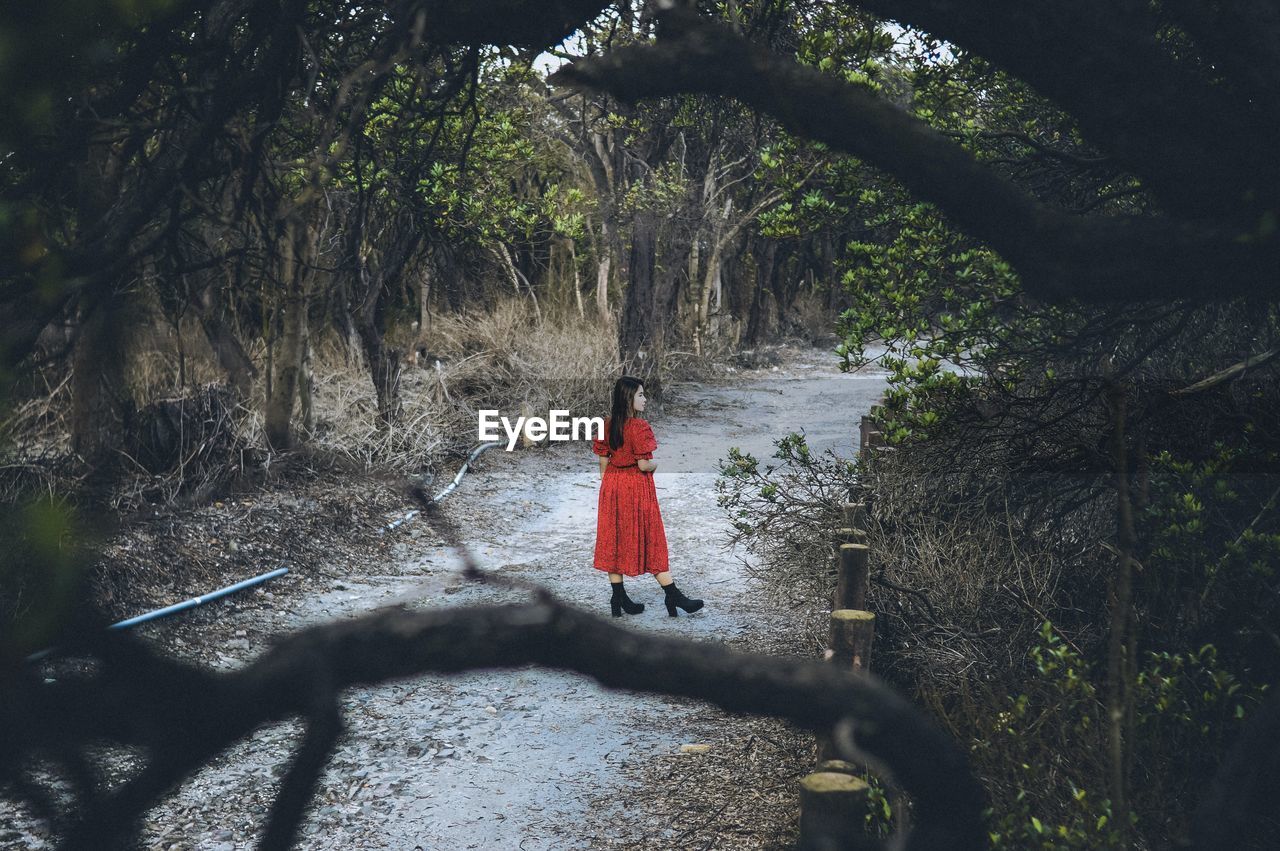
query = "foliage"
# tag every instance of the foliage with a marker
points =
(937, 304)
(40, 574)
(1054, 733)
(1211, 545)
(784, 512)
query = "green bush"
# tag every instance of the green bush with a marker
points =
(1054, 736)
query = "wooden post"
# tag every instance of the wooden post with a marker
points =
(870, 432)
(855, 568)
(850, 536)
(833, 808)
(851, 634)
(855, 515)
(839, 766)
(897, 798)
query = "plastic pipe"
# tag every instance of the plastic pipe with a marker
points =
(201, 600)
(178, 607)
(475, 453)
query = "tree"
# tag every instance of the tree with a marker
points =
(994, 258)
(1142, 86)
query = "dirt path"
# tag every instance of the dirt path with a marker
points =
(532, 759)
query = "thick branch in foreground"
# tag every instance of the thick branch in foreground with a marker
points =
(522, 23)
(189, 715)
(1193, 144)
(1059, 256)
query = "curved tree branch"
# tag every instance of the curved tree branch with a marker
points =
(1242, 39)
(1194, 144)
(522, 23)
(1060, 256)
(185, 716)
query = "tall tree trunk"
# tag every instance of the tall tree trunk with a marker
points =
(604, 264)
(101, 405)
(384, 369)
(306, 391)
(278, 417)
(375, 278)
(577, 279)
(635, 330)
(765, 262)
(295, 272)
(424, 301)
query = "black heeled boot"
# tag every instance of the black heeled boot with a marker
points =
(676, 598)
(622, 603)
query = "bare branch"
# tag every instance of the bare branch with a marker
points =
(1233, 371)
(186, 716)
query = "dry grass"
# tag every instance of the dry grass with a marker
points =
(961, 592)
(503, 360)
(506, 359)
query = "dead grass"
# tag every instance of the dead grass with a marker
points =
(961, 590)
(504, 360)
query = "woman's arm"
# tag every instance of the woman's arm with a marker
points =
(604, 462)
(646, 465)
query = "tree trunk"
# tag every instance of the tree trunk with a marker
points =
(758, 319)
(602, 280)
(306, 391)
(384, 369)
(376, 272)
(577, 279)
(294, 272)
(636, 331)
(101, 405)
(278, 416)
(424, 302)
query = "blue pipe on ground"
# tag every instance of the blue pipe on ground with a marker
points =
(201, 600)
(272, 574)
(178, 607)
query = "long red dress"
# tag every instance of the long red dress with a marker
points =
(630, 538)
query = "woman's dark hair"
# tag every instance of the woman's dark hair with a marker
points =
(624, 394)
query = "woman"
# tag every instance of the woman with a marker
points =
(630, 538)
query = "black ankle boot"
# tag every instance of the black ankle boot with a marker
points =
(676, 598)
(622, 603)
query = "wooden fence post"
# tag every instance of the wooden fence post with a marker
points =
(852, 632)
(833, 808)
(833, 801)
(855, 570)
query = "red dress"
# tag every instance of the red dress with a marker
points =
(630, 538)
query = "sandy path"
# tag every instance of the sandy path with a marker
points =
(527, 759)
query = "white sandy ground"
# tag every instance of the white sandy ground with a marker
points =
(525, 759)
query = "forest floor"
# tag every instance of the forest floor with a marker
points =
(527, 758)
